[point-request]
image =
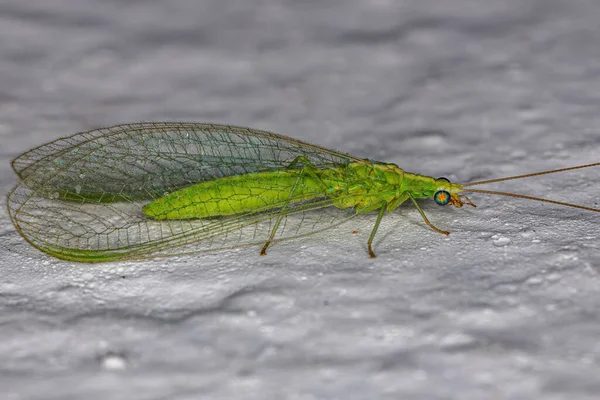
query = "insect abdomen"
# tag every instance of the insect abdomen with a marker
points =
(234, 195)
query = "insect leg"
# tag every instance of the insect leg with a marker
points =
(379, 217)
(425, 218)
(298, 160)
(263, 251)
(308, 169)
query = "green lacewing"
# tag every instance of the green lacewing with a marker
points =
(153, 189)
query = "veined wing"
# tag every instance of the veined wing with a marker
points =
(81, 197)
(146, 160)
(97, 232)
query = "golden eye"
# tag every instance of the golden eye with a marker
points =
(441, 197)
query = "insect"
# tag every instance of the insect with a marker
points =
(144, 190)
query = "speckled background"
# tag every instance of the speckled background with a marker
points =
(507, 307)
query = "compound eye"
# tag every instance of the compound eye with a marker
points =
(441, 178)
(441, 197)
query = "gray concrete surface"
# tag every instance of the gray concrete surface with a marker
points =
(507, 307)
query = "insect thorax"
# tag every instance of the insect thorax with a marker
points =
(377, 173)
(365, 184)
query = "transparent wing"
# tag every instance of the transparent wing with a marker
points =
(113, 231)
(81, 197)
(145, 160)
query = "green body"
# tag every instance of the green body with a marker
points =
(363, 185)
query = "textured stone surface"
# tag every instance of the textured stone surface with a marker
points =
(507, 307)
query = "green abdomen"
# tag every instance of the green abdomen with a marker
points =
(235, 195)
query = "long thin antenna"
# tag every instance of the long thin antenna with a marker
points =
(530, 175)
(522, 196)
